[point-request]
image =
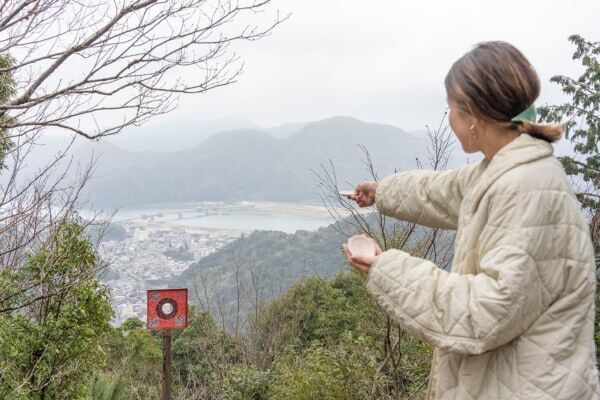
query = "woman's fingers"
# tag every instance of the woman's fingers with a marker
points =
(361, 194)
(363, 260)
(360, 267)
(378, 249)
(365, 193)
(363, 200)
(346, 252)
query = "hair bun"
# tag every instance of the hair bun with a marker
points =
(549, 133)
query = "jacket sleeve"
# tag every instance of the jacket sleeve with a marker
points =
(475, 313)
(430, 198)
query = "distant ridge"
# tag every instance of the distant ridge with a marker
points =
(249, 164)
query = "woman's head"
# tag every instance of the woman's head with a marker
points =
(493, 83)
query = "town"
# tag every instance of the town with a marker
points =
(150, 255)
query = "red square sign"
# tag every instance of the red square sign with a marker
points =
(167, 309)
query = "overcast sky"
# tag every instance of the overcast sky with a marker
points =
(385, 60)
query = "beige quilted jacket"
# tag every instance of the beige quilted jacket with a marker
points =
(515, 317)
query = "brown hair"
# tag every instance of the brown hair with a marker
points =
(495, 82)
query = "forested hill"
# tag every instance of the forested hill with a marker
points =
(278, 258)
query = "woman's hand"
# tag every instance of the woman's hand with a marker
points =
(364, 194)
(362, 263)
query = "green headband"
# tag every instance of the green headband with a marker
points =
(526, 116)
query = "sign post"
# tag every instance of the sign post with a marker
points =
(166, 395)
(166, 310)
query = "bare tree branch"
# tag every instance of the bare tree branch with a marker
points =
(434, 244)
(93, 68)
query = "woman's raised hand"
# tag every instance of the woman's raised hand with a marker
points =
(364, 194)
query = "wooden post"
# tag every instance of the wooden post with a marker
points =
(160, 317)
(166, 386)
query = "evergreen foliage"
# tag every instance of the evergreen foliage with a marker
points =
(50, 348)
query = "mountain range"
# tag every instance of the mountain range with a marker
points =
(249, 164)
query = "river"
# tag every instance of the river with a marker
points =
(244, 216)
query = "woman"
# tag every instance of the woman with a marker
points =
(514, 319)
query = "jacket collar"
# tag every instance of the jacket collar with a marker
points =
(523, 150)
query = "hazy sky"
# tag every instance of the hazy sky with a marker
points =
(384, 60)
